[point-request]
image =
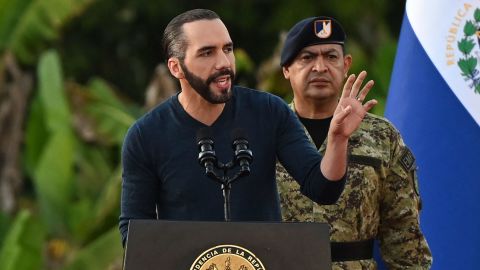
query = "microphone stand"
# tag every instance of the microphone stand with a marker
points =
(207, 158)
(226, 182)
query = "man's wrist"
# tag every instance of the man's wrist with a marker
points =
(334, 140)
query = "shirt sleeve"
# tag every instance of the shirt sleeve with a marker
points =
(301, 160)
(402, 242)
(139, 184)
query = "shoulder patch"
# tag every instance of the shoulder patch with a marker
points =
(407, 160)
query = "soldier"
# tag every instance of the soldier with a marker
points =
(380, 200)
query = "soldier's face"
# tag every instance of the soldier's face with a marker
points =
(318, 72)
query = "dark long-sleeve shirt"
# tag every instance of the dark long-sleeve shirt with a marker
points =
(163, 179)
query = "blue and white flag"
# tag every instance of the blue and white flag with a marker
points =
(434, 100)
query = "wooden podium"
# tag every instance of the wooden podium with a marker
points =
(198, 245)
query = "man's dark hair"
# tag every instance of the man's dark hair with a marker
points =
(174, 42)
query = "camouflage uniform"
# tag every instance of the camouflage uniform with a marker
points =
(380, 199)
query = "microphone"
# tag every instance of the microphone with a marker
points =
(243, 155)
(206, 155)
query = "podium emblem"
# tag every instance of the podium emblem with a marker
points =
(227, 257)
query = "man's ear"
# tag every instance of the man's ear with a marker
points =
(286, 72)
(175, 68)
(347, 63)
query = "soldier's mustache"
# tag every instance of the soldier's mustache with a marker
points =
(323, 78)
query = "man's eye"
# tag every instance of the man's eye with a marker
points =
(332, 57)
(206, 53)
(228, 49)
(306, 57)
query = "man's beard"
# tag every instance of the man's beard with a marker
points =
(203, 87)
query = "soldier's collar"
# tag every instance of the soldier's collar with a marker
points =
(324, 144)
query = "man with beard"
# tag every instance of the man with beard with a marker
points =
(380, 200)
(161, 176)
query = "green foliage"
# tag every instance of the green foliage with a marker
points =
(94, 168)
(243, 61)
(100, 254)
(379, 71)
(5, 221)
(112, 117)
(10, 12)
(93, 213)
(35, 134)
(469, 29)
(54, 186)
(381, 75)
(107, 205)
(467, 66)
(26, 25)
(466, 45)
(127, 47)
(77, 184)
(52, 93)
(53, 179)
(52, 153)
(22, 248)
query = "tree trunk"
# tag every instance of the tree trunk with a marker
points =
(15, 88)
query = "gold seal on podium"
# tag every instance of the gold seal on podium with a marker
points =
(227, 257)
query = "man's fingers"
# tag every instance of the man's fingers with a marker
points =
(364, 92)
(347, 87)
(369, 104)
(358, 83)
(343, 114)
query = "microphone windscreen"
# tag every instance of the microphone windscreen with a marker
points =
(204, 133)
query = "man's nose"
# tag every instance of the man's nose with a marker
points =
(319, 65)
(223, 61)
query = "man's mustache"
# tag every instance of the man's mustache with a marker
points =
(220, 73)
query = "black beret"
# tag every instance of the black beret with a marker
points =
(311, 31)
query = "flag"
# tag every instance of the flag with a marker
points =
(434, 100)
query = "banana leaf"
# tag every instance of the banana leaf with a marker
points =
(94, 176)
(54, 178)
(101, 254)
(23, 245)
(112, 117)
(106, 208)
(53, 174)
(52, 92)
(35, 135)
(26, 26)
